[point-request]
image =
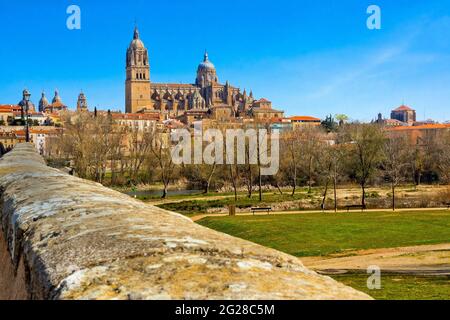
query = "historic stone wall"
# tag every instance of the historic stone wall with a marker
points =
(66, 238)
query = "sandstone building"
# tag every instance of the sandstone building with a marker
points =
(82, 104)
(56, 105)
(206, 98)
(404, 114)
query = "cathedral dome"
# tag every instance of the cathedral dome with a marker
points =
(57, 98)
(43, 103)
(206, 64)
(136, 43)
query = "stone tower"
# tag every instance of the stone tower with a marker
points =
(137, 85)
(82, 102)
(43, 103)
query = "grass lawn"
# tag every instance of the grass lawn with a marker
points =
(318, 234)
(324, 234)
(402, 287)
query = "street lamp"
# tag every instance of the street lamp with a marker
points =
(26, 97)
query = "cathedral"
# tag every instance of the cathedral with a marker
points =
(207, 98)
(55, 106)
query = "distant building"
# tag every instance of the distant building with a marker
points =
(282, 124)
(137, 121)
(43, 103)
(82, 104)
(389, 122)
(8, 139)
(7, 113)
(404, 114)
(36, 118)
(418, 135)
(56, 105)
(302, 121)
(262, 110)
(206, 98)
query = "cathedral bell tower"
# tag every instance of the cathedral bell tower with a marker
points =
(137, 85)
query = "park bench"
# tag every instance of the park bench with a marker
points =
(268, 210)
(448, 205)
(356, 206)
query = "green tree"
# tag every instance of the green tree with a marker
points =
(341, 118)
(329, 124)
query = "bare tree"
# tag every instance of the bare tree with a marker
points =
(338, 156)
(249, 172)
(443, 159)
(367, 141)
(291, 147)
(325, 166)
(395, 162)
(202, 174)
(139, 146)
(76, 143)
(161, 151)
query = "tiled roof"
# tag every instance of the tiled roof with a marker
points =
(422, 127)
(403, 108)
(49, 130)
(304, 118)
(58, 104)
(9, 108)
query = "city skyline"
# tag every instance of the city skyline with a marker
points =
(302, 66)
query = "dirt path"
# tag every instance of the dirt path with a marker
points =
(426, 259)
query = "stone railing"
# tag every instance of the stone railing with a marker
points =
(66, 238)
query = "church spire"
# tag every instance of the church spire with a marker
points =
(136, 32)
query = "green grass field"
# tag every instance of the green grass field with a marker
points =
(318, 234)
(321, 234)
(401, 287)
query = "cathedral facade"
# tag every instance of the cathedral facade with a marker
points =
(206, 98)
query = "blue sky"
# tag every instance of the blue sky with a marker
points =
(308, 57)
